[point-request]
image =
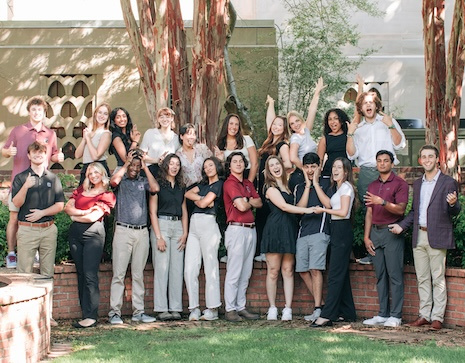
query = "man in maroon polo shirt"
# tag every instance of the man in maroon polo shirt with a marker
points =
(239, 197)
(16, 147)
(386, 200)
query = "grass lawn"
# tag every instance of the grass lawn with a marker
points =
(246, 342)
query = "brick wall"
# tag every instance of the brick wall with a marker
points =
(66, 305)
(24, 318)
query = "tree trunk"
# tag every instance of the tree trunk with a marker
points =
(444, 79)
(179, 65)
(233, 104)
(149, 42)
(199, 89)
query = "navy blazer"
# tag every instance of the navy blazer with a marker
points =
(439, 215)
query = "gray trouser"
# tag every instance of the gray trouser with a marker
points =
(389, 267)
(365, 177)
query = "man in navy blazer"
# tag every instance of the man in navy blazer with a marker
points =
(434, 204)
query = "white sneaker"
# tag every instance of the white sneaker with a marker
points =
(315, 315)
(224, 259)
(272, 313)
(143, 318)
(286, 314)
(194, 315)
(376, 320)
(260, 258)
(11, 260)
(37, 260)
(393, 322)
(210, 314)
(116, 320)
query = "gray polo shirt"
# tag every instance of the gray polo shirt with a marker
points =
(131, 201)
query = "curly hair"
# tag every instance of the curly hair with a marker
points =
(361, 98)
(163, 172)
(343, 119)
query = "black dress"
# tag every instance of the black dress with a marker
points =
(335, 147)
(280, 232)
(261, 214)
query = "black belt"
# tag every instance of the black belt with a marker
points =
(380, 226)
(246, 225)
(130, 225)
(170, 218)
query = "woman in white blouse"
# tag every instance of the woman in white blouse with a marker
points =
(231, 139)
(339, 305)
(96, 140)
(160, 141)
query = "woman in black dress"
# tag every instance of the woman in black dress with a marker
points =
(334, 139)
(279, 236)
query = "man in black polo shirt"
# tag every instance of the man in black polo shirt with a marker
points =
(38, 194)
(313, 239)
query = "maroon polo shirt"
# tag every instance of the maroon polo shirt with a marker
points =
(233, 189)
(394, 190)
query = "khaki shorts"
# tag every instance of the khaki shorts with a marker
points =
(11, 206)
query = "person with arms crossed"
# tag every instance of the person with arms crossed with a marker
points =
(386, 200)
(239, 197)
(434, 204)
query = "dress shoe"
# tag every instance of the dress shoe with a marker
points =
(249, 316)
(232, 316)
(436, 325)
(79, 326)
(419, 322)
(322, 325)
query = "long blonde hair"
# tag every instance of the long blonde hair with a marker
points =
(87, 185)
(94, 117)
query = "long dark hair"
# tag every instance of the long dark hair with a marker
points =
(218, 166)
(125, 137)
(163, 171)
(221, 143)
(270, 180)
(268, 146)
(343, 119)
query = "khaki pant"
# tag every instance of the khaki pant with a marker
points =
(430, 267)
(129, 245)
(31, 239)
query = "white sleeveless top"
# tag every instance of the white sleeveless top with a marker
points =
(86, 157)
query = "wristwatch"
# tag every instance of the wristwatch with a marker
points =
(384, 203)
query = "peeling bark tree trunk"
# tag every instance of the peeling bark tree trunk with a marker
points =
(149, 42)
(179, 66)
(444, 79)
(233, 104)
(208, 66)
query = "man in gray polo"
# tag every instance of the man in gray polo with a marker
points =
(131, 238)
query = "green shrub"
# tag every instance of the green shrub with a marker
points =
(4, 216)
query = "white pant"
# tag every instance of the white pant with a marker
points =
(202, 243)
(168, 267)
(129, 244)
(240, 243)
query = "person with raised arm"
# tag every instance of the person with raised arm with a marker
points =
(301, 140)
(131, 238)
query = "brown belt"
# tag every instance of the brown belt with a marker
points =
(246, 225)
(36, 225)
(424, 229)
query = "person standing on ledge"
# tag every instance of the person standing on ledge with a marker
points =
(240, 237)
(385, 201)
(434, 204)
(16, 146)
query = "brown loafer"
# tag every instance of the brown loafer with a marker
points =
(419, 322)
(436, 325)
(249, 316)
(232, 316)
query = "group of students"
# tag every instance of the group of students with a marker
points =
(184, 181)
